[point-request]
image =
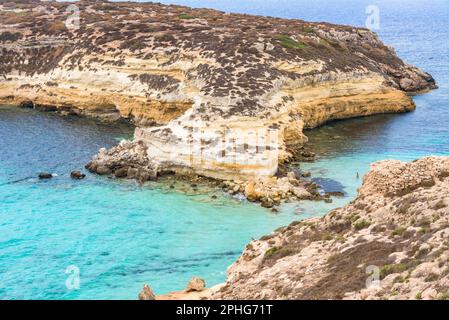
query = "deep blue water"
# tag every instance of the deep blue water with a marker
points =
(121, 235)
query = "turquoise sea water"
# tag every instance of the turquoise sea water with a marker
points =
(121, 235)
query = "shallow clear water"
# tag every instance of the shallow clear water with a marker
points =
(119, 234)
(122, 235)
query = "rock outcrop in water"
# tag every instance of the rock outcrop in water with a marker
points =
(391, 242)
(222, 95)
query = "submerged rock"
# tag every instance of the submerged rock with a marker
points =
(266, 202)
(45, 175)
(77, 175)
(335, 194)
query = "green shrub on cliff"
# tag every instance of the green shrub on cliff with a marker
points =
(444, 296)
(361, 224)
(287, 42)
(391, 268)
(186, 16)
(309, 29)
(276, 253)
(399, 231)
(398, 268)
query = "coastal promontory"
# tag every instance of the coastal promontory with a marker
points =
(221, 95)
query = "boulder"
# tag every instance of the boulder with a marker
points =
(45, 175)
(250, 191)
(196, 284)
(266, 202)
(147, 293)
(77, 175)
(301, 193)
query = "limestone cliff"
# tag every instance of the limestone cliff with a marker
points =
(222, 95)
(391, 242)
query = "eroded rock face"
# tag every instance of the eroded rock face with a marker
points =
(221, 94)
(127, 160)
(396, 231)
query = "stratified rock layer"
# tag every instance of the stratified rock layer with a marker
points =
(223, 95)
(391, 242)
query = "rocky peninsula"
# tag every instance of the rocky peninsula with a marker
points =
(220, 95)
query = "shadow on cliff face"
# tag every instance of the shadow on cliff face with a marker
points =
(345, 136)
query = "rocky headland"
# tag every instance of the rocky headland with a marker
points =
(391, 242)
(219, 95)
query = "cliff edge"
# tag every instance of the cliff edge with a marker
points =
(222, 95)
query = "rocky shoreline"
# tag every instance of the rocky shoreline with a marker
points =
(391, 242)
(129, 160)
